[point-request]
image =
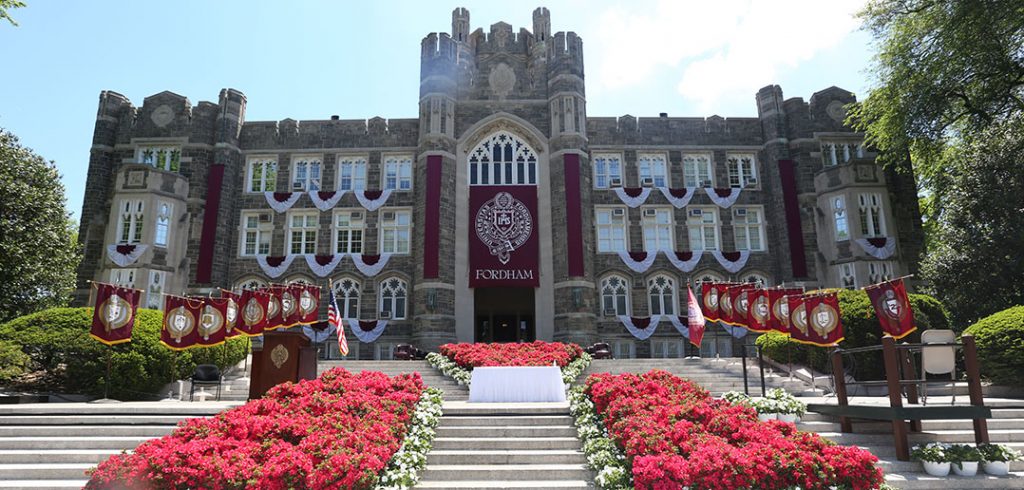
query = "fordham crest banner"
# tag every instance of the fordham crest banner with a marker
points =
(892, 306)
(503, 243)
(114, 315)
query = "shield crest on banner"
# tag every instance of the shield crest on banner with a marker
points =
(274, 307)
(306, 303)
(711, 301)
(232, 314)
(252, 314)
(115, 312)
(210, 321)
(504, 224)
(799, 319)
(892, 306)
(760, 310)
(180, 323)
(824, 320)
(781, 311)
(288, 304)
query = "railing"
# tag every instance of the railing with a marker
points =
(760, 366)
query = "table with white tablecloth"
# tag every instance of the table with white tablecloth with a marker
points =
(517, 384)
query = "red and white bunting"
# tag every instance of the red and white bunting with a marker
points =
(724, 198)
(274, 266)
(681, 325)
(325, 201)
(732, 261)
(367, 330)
(641, 328)
(124, 255)
(323, 265)
(684, 261)
(370, 265)
(633, 197)
(879, 248)
(638, 261)
(371, 200)
(281, 201)
(679, 198)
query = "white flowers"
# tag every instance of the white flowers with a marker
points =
(449, 368)
(603, 455)
(402, 470)
(575, 368)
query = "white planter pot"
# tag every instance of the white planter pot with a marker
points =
(788, 417)
(997, 468)
(936, 469)
(969, 468)
(764, 417)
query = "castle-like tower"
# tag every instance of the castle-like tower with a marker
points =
(505, 214)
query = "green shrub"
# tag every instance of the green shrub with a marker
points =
(13, 361)
(860, 329)
(1000, 341)
(57, 342)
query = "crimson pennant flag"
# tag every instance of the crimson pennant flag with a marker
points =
(181, 316)
(694, 318)
(779, 305)
(213, 319)
(740, 304)
(798, 318)
(254, 304)
(275, 318)
(725, 303)
(820, 321)
(231, 313)
(759, 311)
(892, 307)
(309, 304)
(290, 314)
(709, 296)
(113, 318)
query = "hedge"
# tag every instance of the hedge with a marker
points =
(57, 344)
(861, 328)
(1000, 341)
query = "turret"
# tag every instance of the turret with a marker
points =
(460, 24)
(541, 24)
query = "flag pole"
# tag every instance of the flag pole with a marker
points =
(106, 381)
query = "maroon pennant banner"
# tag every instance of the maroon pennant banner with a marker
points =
(779, 319)
(740, 304)
(816, 320)
(255, 304)
(309, 305)
(710, 295)
(113, 318)
(213, 320)
(290, 314)
(503, 236)
(759, 312)
(275, 319)
(892, 307)
(231, 313)
(181, 318)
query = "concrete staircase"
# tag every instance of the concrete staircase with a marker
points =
(716, 375)
(1006, 427)
(51, 445)
(498, 446)
(432, 377)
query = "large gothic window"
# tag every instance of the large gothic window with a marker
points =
(615, 295)
(392, 298)
(346, 292)
(662, 293)
(502, 159)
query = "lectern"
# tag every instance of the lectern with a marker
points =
(285, 356)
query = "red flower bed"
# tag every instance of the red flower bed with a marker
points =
(536, 353)
(674, 434)
(338, 431)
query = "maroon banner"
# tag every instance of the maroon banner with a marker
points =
(208, 238)
(759, 312)
(290, 297)
(779, 319)
(432, 228)
(309, 305)
(274, 302)
(740, 304)
(113, 318)
(231, 314)
(503, 243)
(710, 295)
(794, 227)
(213, 322)
(181, 316)
(573, 216)
(694, 318)
(892, 307)
(815, 319)
(255, 304)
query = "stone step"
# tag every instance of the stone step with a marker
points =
(45, 471)
(502, 409)
(508, 485)
(479, 421)
(84, 430)
(507, 431)
(44, 484)
(921, 480)
(950, 436)
(505, 443)
(179, 409)
(506, 472)
(91, 456)
(515, 456)
(171, 420)
(65, 442)
(876, 427)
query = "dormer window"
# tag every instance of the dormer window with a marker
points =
(162, 157)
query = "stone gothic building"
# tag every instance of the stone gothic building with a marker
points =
(505, 204)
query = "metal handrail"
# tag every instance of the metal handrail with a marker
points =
(760, 366)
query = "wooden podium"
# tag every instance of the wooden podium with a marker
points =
(285, 356)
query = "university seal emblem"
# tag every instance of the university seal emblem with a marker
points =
(210, 321)
(252, 314)
(504, 224)
(799, 320)
(179, 322)
(760, 310)
(892, 306)
(116, 313)
(824, 320)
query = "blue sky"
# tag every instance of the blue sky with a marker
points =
(312, 59)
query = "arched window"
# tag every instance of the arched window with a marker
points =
(502, 159)
(393, 298)
(661, 290)
(760, 280)
(299, 280)
(707, 276)
(346, 293)
(251, 283)
(615, 295)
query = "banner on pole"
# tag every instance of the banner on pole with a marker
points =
(892, 307)
(113, 318)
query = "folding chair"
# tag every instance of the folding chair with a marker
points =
(938, 360)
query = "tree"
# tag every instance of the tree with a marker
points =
(948, 78)
(6, 5)
(38, 255)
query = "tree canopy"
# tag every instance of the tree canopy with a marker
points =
(5, 6)
(38, 252)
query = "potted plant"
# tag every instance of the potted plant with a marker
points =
(736, 398)
(792, 409)
(933, 457)
(996, 458)
(964, 458)
(767, 409)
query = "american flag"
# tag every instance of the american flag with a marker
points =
(334, 320)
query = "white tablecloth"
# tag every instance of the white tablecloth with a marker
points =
(517, 384)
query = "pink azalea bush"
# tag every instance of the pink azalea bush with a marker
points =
(337, 431)
(536, 353)
(674, 435)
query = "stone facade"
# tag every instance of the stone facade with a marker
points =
(158, 158)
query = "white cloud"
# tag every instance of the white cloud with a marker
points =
(719, 49)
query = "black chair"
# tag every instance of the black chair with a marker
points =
(205, 375)
(403, 352)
